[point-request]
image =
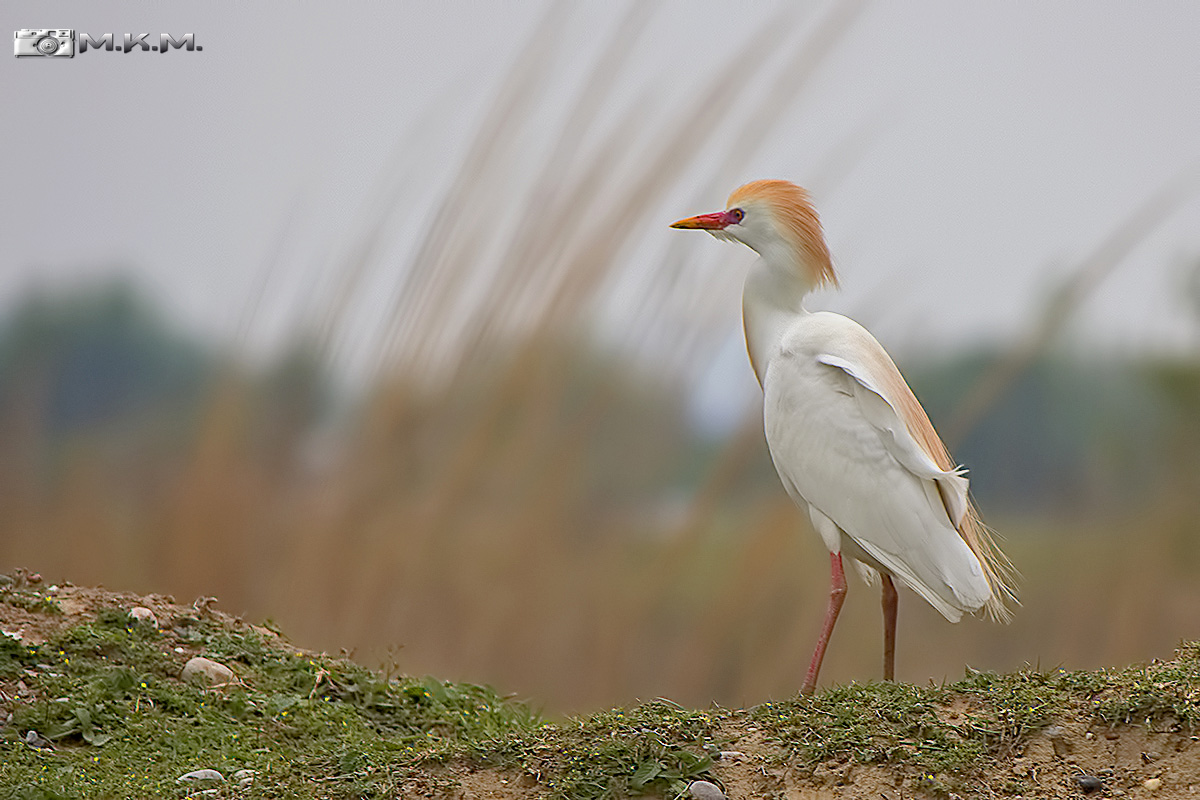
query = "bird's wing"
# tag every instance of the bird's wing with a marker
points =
(839, 439)
(873, 401)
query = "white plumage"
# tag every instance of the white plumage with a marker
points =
(849, 440)
(843, 452)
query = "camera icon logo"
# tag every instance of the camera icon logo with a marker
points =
(44, 42)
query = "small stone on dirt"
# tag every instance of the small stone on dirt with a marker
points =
(705, 790)
(1088, 783)
(1152, 784)
(144, 615)
(243, 777)
(37, 741)
(201, 776)
(204, 670)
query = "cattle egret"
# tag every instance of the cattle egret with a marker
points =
(850, 441)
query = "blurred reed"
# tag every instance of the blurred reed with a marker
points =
(517, 500)
(1083, 279)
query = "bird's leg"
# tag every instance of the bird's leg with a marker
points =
(889, 628)
(837, 594)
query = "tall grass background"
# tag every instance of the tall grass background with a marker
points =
(512, 492)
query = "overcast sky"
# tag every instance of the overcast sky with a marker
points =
(998, 143)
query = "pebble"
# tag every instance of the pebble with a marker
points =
(204, 670)
(37, 741)
(201, 776)
(1056, 731)
(705, 790)
(1088, 783)
(144, 615)
(1152, 784)
(731, 755)
(243, 777)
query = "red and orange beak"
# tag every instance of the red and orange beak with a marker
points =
(706, 222)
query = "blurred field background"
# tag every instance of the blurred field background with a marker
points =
(500, 476)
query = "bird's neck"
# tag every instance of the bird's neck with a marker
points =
(772, 301)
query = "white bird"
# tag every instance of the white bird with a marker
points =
(850, 441)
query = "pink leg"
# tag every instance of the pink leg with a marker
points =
(837, 594)
(889, 628)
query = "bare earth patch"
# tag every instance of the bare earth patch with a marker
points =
(68, 605)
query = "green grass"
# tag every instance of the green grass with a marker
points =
(656, 746)
(32, 601)
(107, 694)
(955, 731)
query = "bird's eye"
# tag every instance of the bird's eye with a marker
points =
(737, 215)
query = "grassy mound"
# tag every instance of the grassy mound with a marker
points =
(93, 705)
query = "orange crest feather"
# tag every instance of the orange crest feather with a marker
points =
(798, 222)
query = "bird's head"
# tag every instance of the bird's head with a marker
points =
(777, 220)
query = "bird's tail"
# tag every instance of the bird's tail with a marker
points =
(997, 569)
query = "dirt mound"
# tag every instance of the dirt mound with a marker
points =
(1073, 759)
(35, 611)
(1119, 733)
